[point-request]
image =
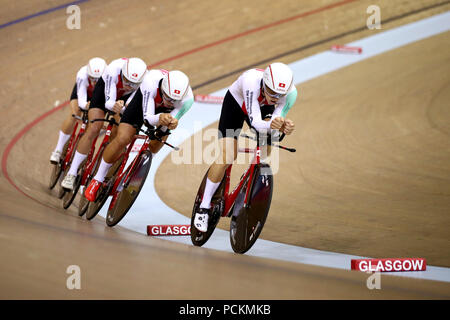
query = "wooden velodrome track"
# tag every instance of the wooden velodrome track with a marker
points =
(371, 176)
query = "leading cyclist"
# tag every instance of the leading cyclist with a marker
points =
(261, 98)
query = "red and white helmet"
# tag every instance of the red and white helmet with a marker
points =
(278, 77)
(95, 67)
(175, 84)
(134, 70)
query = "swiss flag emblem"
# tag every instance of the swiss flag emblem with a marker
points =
(177, 91)
(282, 85)
(135, 75)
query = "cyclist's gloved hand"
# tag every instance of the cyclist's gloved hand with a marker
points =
(288, 126)
(117, 108)
(277, 123)
(166, 120)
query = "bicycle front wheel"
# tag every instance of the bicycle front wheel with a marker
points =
(56, 170)
(69, 195)
(83, 205)
(248, 222)
(129, 189)
(55, 173)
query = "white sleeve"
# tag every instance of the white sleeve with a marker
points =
(251, 92)
(148, 107)
(82, 85)
(110, 91)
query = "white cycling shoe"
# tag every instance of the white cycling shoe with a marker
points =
(68, 182)
(201, 220)
(55, 157)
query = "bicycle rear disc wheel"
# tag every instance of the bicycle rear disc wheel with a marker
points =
(248, 222)
(128, 191)
(199, 238)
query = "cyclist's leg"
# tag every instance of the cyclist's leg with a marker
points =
(96, 111)
(112, 152)
(69, 122)
(67, 126)
(230, 124)
(84, 146)
(132, 118)
(217, 169)
(155, 145)
(117, 116)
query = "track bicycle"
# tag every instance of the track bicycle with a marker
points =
(88, 166)
(248, 204)
(124, 185)
(67, 154)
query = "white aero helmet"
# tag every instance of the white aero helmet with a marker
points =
(278, 78)
(175, 84)
(134, 70)
(95, 67)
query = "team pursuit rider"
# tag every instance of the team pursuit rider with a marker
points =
(162, 99)
(120, 79)
(87, 77)
(261, 98)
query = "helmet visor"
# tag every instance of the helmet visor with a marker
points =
(167, 98)
(271, 93)
(93, 80)
(128, 83)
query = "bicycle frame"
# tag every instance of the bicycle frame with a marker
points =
(230, 198)
(70, 148)
(125, 159)
(73, 141)
(121, 172)
(91, 162)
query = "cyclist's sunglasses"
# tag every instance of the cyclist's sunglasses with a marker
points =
(167, 98)
(271, 93)
(93, 79)
(129, 83)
